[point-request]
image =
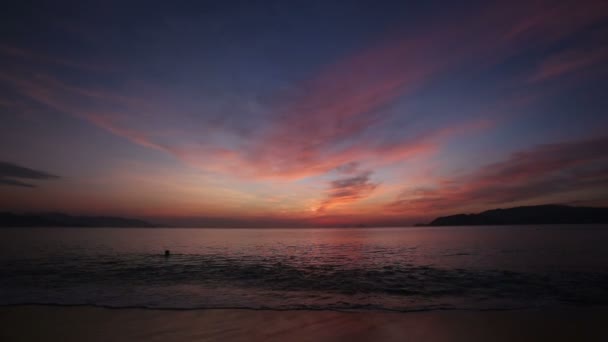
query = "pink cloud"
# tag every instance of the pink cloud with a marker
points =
(347, 190)
(569, 62)
(324, 126)
(542, 171)
(302, 141)
(552, 20)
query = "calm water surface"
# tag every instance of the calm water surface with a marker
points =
(358, 269)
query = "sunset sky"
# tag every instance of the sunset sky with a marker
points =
(287, 113)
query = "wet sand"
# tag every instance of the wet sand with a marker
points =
(82, 323)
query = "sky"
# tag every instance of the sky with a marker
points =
(301, 113)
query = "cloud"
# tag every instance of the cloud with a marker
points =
(12, 174)
(552, 20)
(8, 181)
(347, 190)
(335, 116)
(546, 170)
(72, 100)
(348, 168)
(315, 134)
(21, 53)
(569, 62)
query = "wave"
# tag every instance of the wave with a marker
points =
(211, 281)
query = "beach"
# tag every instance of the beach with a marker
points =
(88, 323)
(380, 284)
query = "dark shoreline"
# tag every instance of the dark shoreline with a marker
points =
(375, 310)
(87, 323)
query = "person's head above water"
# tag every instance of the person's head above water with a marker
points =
(167, 253)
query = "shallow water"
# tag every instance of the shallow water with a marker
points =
(361, 268)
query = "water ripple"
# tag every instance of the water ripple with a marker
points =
(279, 281)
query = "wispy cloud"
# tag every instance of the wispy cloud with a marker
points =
(320, 130)
(545, 170)
(16, 175)
(328, 121)
(37, 56)
(568, 63)
(347, 190)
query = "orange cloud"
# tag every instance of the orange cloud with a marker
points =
(347, 190)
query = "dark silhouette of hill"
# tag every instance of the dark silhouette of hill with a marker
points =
(539, 214)
(64, 220)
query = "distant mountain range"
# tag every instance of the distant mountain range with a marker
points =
(539, 214)
(64, 220)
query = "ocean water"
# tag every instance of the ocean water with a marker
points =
(402, 269)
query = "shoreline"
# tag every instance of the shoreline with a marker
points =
(90, 323)
(311, 309)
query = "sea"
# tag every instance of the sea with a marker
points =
(389, 269)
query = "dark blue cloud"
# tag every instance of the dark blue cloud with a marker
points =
(12, 174)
